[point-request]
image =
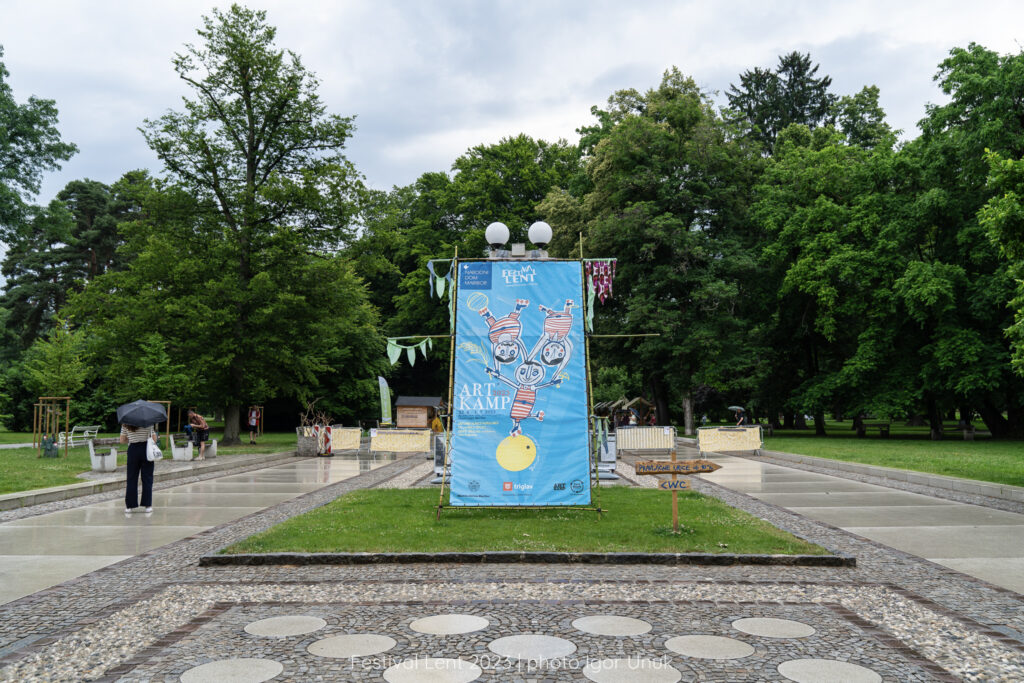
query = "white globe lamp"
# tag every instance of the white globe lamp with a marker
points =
(496, 234)
(540, 234)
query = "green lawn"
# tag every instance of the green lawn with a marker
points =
(635, 520)
(21, 470)
(910, 448)
(15, 437)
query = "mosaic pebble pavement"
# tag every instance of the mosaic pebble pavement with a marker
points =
(160, 617)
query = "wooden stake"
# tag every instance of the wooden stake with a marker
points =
(675, 500)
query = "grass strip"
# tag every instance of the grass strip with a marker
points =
(22, 470)
(999, 462)
(634, 520)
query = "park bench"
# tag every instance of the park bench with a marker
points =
(78, 435)
(882, 427)
(184, 451)
(103, 462)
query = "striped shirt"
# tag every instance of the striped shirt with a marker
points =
(558, 325)
(138, 436)
(522, 404)
(509, 325)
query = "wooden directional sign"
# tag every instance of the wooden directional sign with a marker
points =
(675, 467)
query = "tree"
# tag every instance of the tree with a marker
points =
(29, 145)
(37, 271)
(861, 119)
(55, 366)
(60, 247)
(1003, 218)
(768, 101)
(669, 182)
(274, 195)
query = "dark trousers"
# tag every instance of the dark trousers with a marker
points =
(138, 465)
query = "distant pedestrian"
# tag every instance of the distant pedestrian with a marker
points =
(200, 432)
(138, 465)
(254, 423)
(703, 419)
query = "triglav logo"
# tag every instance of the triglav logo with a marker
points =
(515, 276)
(506, 486)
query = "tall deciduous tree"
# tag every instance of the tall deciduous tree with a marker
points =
(264, 159)
(669, 189)
(30, 144)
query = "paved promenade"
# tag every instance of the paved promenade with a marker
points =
(158, 616)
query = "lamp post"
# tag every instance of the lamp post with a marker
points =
(497, 235)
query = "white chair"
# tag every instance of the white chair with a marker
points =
(181, 452)
(102, 462)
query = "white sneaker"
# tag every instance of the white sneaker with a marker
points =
(128, 511)
(149, 509)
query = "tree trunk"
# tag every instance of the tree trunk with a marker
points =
(819, 422)
(935, 419)
(232, 418)
(788, 421)
(688, 414)
(799, 422)
(994, 420)
(660, 400)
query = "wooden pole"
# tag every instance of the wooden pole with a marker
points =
(453, 292)
(675, 500)
(590, 393)
(67, 425)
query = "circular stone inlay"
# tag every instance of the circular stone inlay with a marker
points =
(532, 647)
(611, 625)
(773, 628)
(285, 626)
(631, 671)
(709, 647)
(449, 624)
(821, 670)
(233, 670)
(430, 670)
(351, 645)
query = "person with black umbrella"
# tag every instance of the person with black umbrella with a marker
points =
(137, 420)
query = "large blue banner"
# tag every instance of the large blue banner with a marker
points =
(520, 413)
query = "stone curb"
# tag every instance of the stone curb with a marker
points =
(13, 501)
(671, 559)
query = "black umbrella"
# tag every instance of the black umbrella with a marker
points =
(141, 413)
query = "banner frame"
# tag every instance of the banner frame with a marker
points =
(595, 479)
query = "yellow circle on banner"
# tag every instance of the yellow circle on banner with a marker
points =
(476, 301)
(516, 453)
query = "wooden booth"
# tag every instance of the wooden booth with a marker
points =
(416, 412)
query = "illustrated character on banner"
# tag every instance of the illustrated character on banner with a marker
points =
(554, 345)
(504, 333)
(528, 376)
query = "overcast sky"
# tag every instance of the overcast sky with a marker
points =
(427, 79)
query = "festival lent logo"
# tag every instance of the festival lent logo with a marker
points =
(515, 354)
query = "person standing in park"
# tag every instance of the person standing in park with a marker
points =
(138, 465)
(200, 432)
(254, 423)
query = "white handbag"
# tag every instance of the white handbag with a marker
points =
(153, 452)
